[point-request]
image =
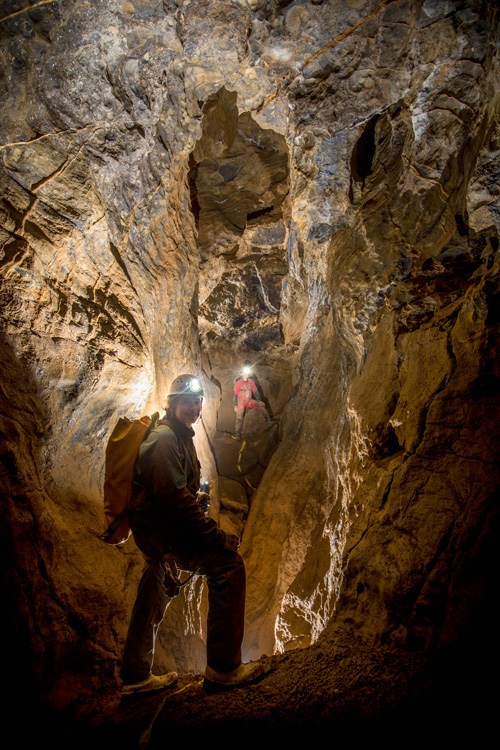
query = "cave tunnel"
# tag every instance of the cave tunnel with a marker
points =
(311, 188)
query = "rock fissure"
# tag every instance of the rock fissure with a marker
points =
(29, 8)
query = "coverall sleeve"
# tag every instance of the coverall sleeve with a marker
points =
(255, 390)
(160, 471)
(256, 393)
(237, 388)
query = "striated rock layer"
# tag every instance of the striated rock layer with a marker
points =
(307, 186)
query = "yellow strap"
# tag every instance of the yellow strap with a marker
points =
(239, 467)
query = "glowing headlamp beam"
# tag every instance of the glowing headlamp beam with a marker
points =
(195, 385)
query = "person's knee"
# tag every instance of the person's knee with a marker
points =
(238, 561)
(238, 567)
(232, 559)
(226, 566)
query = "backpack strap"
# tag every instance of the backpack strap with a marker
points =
(180, 443)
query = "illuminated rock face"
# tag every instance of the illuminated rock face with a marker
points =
(189, 186)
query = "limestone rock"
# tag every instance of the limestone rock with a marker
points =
(309, 187)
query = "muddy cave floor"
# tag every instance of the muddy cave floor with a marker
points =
(340, 683)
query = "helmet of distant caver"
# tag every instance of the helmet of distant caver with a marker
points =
(186, 385)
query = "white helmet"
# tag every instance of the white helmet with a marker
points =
(186, 385)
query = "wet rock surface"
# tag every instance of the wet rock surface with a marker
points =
(309, 187)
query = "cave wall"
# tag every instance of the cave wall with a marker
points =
(393, 255)
(310, 186)
(99, 272)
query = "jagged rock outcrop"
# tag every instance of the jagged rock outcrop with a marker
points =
(308, 186)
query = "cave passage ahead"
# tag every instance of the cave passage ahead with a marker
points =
(239, 184)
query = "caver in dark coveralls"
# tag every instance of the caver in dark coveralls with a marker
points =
(165, 518)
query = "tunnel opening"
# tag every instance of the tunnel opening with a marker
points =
(239, 184)
(362, 154)
(238, 173)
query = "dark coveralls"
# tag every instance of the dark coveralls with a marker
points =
(165, 518)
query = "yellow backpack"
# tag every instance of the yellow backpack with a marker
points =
(122, 451)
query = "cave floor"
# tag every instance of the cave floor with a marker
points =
(342, 684)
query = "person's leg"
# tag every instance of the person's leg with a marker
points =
(264, 411)
(240, 413)
(147, 614)
(225, 574)
(260, 406)
(226, 581)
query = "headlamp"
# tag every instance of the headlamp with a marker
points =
(247, 370)
(195, 385)
(186, 385)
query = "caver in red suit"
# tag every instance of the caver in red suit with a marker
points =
(246, 396)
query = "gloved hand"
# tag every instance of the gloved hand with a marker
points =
(171, 582)
(232, 543)
(204, 501)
